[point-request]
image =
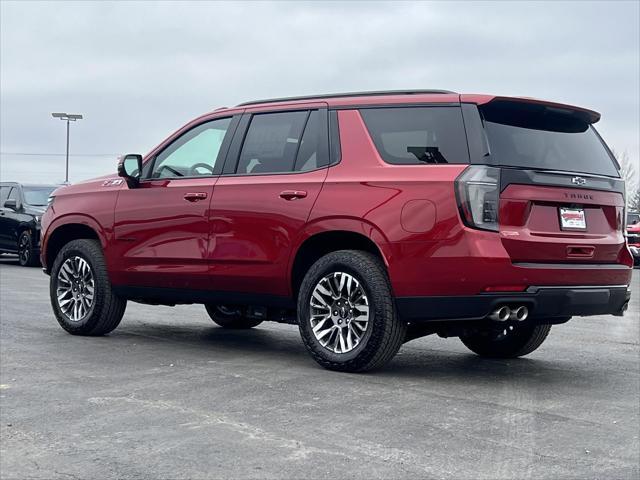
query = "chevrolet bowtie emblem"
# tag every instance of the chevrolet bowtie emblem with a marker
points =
(578, 181)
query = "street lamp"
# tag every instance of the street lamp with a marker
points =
(69, 117)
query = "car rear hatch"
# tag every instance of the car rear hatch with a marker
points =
(558, 195)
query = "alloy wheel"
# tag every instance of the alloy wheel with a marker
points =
(75, 288)
(24, 249)
(339, 313)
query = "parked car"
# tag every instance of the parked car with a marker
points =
(633, 236)
(21, 208)
(367, 219)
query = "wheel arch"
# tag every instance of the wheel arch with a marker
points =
(321, 241)
(59, 235)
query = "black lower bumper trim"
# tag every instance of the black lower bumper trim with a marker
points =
(542, 302)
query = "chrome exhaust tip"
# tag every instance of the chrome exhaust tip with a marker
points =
(501, 314)
(520, 314)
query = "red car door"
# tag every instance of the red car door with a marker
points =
(162, 227)
(273, 175)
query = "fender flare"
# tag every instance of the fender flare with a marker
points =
(73, 219)
(340, 224)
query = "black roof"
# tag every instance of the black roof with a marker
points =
(348, 94)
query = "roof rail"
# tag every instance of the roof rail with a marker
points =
(348, 94)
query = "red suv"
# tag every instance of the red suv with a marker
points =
(367, 219)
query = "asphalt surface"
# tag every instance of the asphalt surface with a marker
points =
(171, 395)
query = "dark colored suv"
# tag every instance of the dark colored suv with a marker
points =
(366, 219)
(21, 207)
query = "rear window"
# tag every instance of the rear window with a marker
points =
(418, 135)
(540, 137)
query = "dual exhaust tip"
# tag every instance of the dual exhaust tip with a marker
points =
(504, 313)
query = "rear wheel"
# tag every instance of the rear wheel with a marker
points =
(346, 313)
(81, 294)
(26, 255)
(510, 342)
(231, 316)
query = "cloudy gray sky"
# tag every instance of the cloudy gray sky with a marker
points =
(138, 71)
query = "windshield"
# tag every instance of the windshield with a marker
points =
(633, 218)
(37, 196)
(541, 137)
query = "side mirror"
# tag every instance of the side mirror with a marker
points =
(130, 168)
(11, 203)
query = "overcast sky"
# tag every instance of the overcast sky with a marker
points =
(138, 71)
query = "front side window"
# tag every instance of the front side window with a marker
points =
(272, 142)
(418, 135)
(193, 154)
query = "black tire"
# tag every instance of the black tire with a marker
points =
(520, 341)
(231, 317)
(106, 310)
(26, 254)
(385, 332)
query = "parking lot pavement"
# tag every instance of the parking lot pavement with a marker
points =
(171, 395)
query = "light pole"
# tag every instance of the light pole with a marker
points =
(69, 117)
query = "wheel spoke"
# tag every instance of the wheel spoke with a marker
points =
(319, 325)
(354, 333)
(323, 290)
(321, 333)
(349, 340)
(320, 299)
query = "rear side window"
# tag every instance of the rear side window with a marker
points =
(542, 137)
(309, 157)
(272, 142)
(418, 135)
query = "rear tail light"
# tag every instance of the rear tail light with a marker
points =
(478, 193)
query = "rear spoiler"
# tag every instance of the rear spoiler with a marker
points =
(583, 114)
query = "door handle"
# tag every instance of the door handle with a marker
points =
(293, 194)
(195, 196)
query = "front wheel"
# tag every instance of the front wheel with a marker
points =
(510, 342)
(26, 255)
(346, 313)
(81, 294)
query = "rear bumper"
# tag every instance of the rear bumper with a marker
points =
(543, 302)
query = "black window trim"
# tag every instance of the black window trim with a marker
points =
(232, 159)
(224, 147)
(335, 149)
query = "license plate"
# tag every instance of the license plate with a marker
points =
(572, 219)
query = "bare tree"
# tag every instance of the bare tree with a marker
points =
(629, 174)
(633, 200)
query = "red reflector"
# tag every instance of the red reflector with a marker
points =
(506, 288)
